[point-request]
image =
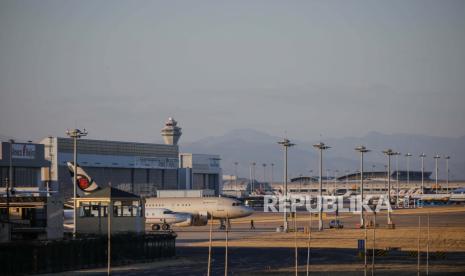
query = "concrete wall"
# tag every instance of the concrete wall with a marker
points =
(94, 225)
(55, 217)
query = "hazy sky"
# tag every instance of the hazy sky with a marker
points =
(336, 68)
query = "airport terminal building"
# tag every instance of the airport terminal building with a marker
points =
(138, 168)
(141, 168)
(27, 211)
(26, 161)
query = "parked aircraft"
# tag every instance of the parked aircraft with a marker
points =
(178, 211)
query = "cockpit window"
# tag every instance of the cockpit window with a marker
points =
(167, 212)
(236, 204)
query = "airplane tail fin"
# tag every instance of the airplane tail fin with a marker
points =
(85, 184)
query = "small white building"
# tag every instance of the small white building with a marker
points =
(126, 212)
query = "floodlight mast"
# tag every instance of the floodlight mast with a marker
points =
(397, 176)
(422, 156)
(408, 155)
(286, 144)
(321, 147)
(389, 153)
(264, 178)
(436, 158)
(447, 172)
(75, 134)
(235, 178)
(362, 150)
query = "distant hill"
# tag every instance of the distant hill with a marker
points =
(248, 145)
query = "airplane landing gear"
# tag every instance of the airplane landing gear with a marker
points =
(223, 223)
(222, 226)
(165, 227)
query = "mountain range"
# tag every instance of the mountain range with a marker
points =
(247, 145)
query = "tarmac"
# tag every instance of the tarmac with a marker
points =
(263, 251)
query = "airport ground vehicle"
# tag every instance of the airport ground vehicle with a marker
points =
(335, 223)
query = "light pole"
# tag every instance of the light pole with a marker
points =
(347, 178)
(286, 144)
(235, 178)
(397, 177)
(335, 181)
(408, 155)
(75, 134)
(447, 172)
(387, 176)
(252, 177)
(310, 182)
(264, 174)
(422, 156)
(436, 158)
(271, 178)
(362, 150)
(335, 193)
(389, 153)
(320, 146)
(9, 186)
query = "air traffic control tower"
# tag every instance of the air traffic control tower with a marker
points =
(171, 132)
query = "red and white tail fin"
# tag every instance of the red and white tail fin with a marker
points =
(85, 184)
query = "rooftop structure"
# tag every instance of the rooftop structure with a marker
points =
(381, 175)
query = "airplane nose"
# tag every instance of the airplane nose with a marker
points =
(247, 211)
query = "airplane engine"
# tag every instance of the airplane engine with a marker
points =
(187, 222)
(200, 220)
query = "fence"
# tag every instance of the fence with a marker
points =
(55, 256)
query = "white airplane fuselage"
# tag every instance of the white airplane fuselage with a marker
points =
(215, 207)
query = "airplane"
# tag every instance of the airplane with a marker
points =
(431, 197)
(457, 195)
(177, 211)
(201, 209)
